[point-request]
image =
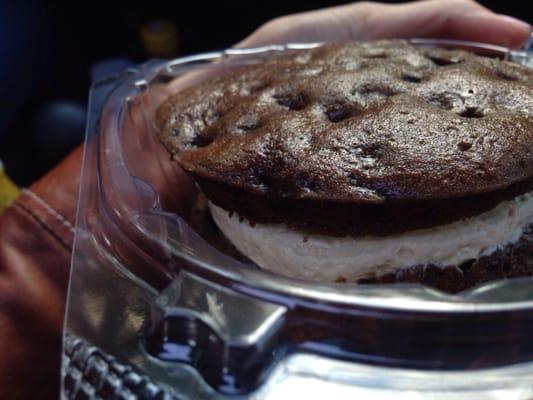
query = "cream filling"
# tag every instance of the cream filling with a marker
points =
(326, 258)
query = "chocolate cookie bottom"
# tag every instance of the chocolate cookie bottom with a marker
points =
(512, 260)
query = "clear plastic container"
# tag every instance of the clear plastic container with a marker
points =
(154, 311)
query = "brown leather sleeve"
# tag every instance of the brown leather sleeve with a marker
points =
(36, 235)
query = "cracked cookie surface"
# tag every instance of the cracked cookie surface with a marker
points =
(358, 138)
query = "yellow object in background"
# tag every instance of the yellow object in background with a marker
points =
(160, 38)
(8, 190)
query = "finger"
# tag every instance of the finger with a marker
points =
(457, 19)
(454, 19)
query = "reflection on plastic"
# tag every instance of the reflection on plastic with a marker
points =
(150, 293)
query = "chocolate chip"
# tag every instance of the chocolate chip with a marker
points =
(443, 61)
(202, 141)
(374, 92)
(375, 54)
(446, 100)
(411, 78)
(339, 111)
(471, 112)
(353, 178)
(464, 146)
(248, 123)
(291, 100)
(310, 185)
(374, 150)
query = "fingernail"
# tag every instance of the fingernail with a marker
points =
(516, 21)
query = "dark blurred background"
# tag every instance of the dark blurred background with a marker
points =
(52, 50)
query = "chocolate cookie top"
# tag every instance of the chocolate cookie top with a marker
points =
(357, 124)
